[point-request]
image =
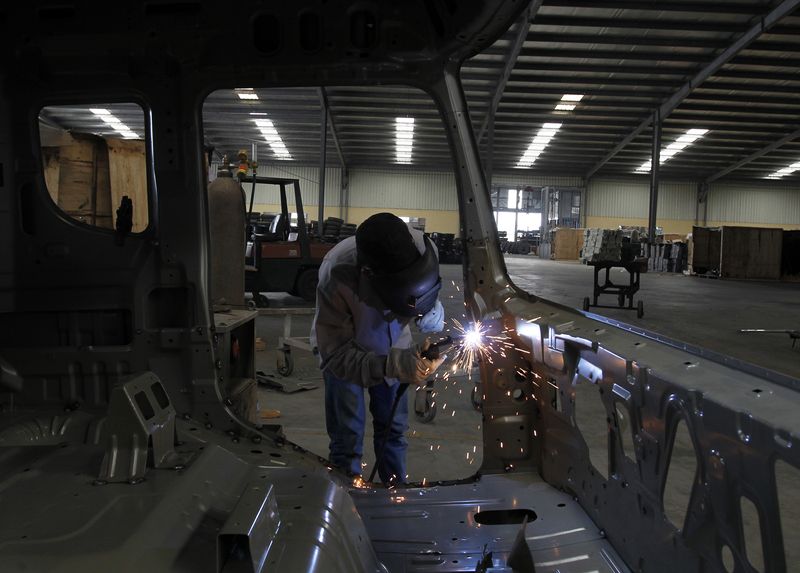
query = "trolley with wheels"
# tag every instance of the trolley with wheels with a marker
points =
(623, 292)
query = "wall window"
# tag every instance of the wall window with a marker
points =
(94, 162)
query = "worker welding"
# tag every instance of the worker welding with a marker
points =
(371, 288)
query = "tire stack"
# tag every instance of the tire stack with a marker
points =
(450, 251)
(347, 230)
(331, 228)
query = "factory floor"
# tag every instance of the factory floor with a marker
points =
(700, 311)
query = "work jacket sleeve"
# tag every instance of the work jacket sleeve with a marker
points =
(341, 355)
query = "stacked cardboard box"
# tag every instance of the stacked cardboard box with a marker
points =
(601, 245)
(567, 243)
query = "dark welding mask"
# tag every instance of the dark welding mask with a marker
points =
(413, 290)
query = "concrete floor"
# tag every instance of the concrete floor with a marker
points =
(699, 311)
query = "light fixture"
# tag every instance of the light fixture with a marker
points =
(538, 144)
(785, 171)
(403, 139)
(246, 93)
(271, 136)
(674, 148)
(568, 102)
(114, 123)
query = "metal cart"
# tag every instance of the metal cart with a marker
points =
(623, 291)
(287, 341)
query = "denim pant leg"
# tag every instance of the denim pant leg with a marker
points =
(392, 466)
(345, 415)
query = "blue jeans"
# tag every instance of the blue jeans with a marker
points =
(345, 416)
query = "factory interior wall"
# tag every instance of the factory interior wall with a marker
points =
(609, 202)
(624, 201)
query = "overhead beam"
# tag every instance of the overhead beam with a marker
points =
(753, 156)
(784, 8)
(516, 47)
(323, 100)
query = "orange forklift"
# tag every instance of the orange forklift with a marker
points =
(285, 259)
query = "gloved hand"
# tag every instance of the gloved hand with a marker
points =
(433, 320)
(409, 366)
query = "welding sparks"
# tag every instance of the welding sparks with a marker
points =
(473, 345)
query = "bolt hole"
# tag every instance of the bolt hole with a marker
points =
(562, 505)
(256, 452)
(757, 390)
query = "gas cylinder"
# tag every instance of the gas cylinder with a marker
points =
(226, 221)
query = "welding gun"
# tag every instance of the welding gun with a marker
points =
(435, 350)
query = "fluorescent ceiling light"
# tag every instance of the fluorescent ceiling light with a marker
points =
(785, 171)
(565, 107)
(271, 136)
(674, 148)
(258, 113)
(113, 122)
(538, 144)
(403, 139)
(246, 93)
(572, 97)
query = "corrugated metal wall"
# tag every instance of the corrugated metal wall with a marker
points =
(630, 199)
(309, 183)
(523, 178)
(403, 189)
(775, 203)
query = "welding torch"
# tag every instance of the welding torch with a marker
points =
(434, 351)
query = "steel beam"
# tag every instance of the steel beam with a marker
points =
(764, 24)
(655, 159)
(511, 60)
(323, 100)
(323, 153)
(753, 156)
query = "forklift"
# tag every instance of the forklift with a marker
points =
(286, 259)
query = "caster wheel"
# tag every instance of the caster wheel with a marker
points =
(430, 410)
(586, 303)
(477, 399)
(640, 309)
(251, 304)
(286, 363)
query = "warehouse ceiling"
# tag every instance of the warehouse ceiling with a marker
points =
(624, 57)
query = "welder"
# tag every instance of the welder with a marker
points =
(371, 288)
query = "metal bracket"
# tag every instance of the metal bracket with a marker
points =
(245, 539)
(140, 427)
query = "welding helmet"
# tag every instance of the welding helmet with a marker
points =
(406, 281)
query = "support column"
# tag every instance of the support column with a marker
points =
(490, 153)
(323, 154)
(655, 160)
